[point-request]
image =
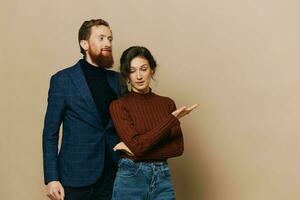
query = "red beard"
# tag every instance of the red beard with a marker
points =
(102, 61)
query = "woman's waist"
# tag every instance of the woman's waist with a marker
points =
(146, 160)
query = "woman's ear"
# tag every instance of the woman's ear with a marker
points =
(152, 72)
(84, 44)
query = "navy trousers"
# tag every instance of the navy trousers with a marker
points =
(101, 190)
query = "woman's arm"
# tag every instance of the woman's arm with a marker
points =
(170, 147)
(173, 146)
(137, 142)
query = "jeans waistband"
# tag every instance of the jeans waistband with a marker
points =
(144, 165)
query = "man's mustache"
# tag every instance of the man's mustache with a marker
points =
(106, 49)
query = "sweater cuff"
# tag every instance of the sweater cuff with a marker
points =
(174, 121)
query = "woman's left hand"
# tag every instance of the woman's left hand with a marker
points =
(121, 146)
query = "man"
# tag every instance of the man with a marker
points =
(79, 98)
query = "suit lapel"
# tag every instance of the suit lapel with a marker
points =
(79, 80)
(112, 82)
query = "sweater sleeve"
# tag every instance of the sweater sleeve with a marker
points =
(137, 142)
(170, 147)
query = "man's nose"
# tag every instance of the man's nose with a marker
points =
(107, 43)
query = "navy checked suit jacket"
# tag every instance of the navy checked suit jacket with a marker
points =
(80, 160)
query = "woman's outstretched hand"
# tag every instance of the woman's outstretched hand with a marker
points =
(121, 146)
(183, 111)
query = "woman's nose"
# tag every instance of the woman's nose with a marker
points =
(138, 75)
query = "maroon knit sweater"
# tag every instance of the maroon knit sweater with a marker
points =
(145, 124)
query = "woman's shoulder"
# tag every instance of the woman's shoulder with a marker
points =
(166, 101)
(164, 98)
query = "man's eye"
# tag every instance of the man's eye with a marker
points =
(144, 69)
(131, 70)
(101, 38)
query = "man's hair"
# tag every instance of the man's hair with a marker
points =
(131, 53)
(85, 30)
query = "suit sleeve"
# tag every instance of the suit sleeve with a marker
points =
(137, 142)
(53, 119)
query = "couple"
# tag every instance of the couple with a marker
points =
(114, 144)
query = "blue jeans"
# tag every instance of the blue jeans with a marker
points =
(143, 181)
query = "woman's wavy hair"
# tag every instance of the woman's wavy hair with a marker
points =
(131, 53)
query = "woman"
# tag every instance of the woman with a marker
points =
(149, 128)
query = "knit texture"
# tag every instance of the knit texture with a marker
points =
(145, 124)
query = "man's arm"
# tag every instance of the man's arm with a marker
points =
(53, 120)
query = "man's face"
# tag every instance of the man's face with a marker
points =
(99, 46)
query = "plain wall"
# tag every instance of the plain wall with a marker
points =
(238, 59)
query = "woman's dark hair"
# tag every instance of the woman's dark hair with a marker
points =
(131, 53)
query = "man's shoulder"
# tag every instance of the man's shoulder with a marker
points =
(66, 70)
(117, 78)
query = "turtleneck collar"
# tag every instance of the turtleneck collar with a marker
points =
(90, 67)
(142, 95)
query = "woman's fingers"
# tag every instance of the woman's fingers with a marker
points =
(123, 147)
(181, 112)
(192, 107)
(118, 146)
(128, 152)
(178, 111)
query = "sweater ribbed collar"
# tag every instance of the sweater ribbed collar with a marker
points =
(142, 96)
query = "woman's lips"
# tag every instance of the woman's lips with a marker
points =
(140, 83)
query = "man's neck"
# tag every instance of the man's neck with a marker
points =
(89, 60)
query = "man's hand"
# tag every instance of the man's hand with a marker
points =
(122, 147)
(55, 190)
(183, 111)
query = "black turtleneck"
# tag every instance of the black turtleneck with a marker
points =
(100, 89)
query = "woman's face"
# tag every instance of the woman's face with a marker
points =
(140, 75)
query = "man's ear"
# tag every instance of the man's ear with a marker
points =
(84, 44)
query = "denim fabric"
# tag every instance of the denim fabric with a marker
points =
(143, 181)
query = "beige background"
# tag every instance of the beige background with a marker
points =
(238, 59)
